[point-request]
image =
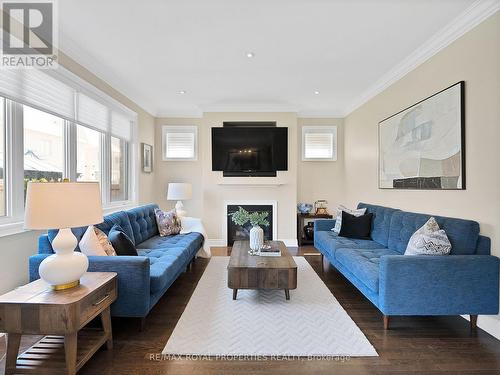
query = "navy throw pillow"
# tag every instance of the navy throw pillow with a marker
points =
(356, 226)
(122, 244)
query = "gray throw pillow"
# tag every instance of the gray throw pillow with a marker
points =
(429, 240)
(168, 222)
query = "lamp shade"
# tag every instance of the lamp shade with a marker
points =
(57, 205)
(179, 191)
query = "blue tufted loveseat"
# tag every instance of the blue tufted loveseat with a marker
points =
(143, 279)
(464, 282)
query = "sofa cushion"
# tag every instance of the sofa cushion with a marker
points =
(381, 221)
(143, 222)
(463, 234)
(363, 263)
(332, 241)
(165, 266)
(190, 241)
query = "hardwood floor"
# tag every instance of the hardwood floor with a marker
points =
(413, 345)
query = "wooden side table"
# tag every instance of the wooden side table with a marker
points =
(301, 218)
(35, 309)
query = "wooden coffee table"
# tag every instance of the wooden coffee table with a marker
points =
(247, 271)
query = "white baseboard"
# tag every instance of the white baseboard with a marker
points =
(488, 323)
(216, 242)
(219, 242)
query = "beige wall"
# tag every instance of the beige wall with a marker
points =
(321, 179)
(15, 249)
(474, 58)
(210, 187)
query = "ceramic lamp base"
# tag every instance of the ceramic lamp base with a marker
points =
(179, 209)
(64, 269)
(65, 286)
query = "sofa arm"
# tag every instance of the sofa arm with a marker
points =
(321, 225)
(133, 281)
(438, 285)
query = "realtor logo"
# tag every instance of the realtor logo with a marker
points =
(29, 34)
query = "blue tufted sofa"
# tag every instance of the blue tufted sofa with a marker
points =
(464, 282)
(143, 279)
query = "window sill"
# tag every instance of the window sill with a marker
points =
(9, 229)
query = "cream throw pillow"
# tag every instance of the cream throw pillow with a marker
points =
(95, 243)
(429, 240)
(356, 212)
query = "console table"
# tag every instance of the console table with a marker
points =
(301, 218)
(35, 309)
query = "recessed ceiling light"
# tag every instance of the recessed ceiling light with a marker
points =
(250, 55)
(316, 92)
(182, 92)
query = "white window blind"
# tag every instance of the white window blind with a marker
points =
(38, 89)
(121, 126)
(92, 113)
(56, 94)
(319, 143)
(179, 142)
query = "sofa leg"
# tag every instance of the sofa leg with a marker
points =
(322, 262)
(473, 321)
(386, 322)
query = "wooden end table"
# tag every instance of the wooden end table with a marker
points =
(301, 218)
(35, 309)
(247, 271)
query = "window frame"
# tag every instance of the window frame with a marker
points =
(13, 221)
(330, 129)
(192, 129)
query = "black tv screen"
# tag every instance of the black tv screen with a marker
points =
(249, 151)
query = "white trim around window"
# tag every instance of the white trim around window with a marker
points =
(117, 116)
(179, 143)
(319, 143)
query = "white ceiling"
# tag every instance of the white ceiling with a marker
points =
(150, 50)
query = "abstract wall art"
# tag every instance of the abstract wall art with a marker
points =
(423, 146)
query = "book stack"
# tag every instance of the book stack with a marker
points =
(270, 252)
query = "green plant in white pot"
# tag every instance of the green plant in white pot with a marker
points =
(256, 219)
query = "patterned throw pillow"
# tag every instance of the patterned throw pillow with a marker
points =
(429, 240)
(338, 222)
(104, 241)
(168, 222)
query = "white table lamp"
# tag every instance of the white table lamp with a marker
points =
(179, 192)
(63, 205)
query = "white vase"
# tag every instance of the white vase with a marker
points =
(256, 238)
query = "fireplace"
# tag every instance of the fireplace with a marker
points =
(235, 232)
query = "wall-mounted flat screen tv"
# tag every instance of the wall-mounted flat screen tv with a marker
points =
(249, 151)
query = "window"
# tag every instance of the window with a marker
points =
(54, 126)
(2, 157)
(88, 157)
(43, 146)
(180, 143)
(319, 143)
(118, 169)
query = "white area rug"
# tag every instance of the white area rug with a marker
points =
(311, 323)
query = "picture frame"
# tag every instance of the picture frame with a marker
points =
(147, 158)
(422, 147)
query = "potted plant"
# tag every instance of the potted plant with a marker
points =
(256, 219)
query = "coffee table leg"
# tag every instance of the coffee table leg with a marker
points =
(235, 293)
(13, 341)
(287, 294)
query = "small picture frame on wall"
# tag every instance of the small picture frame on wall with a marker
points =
(147, 158)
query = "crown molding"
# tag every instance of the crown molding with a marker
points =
(179, 114)
(320, 114)
(466, 21)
